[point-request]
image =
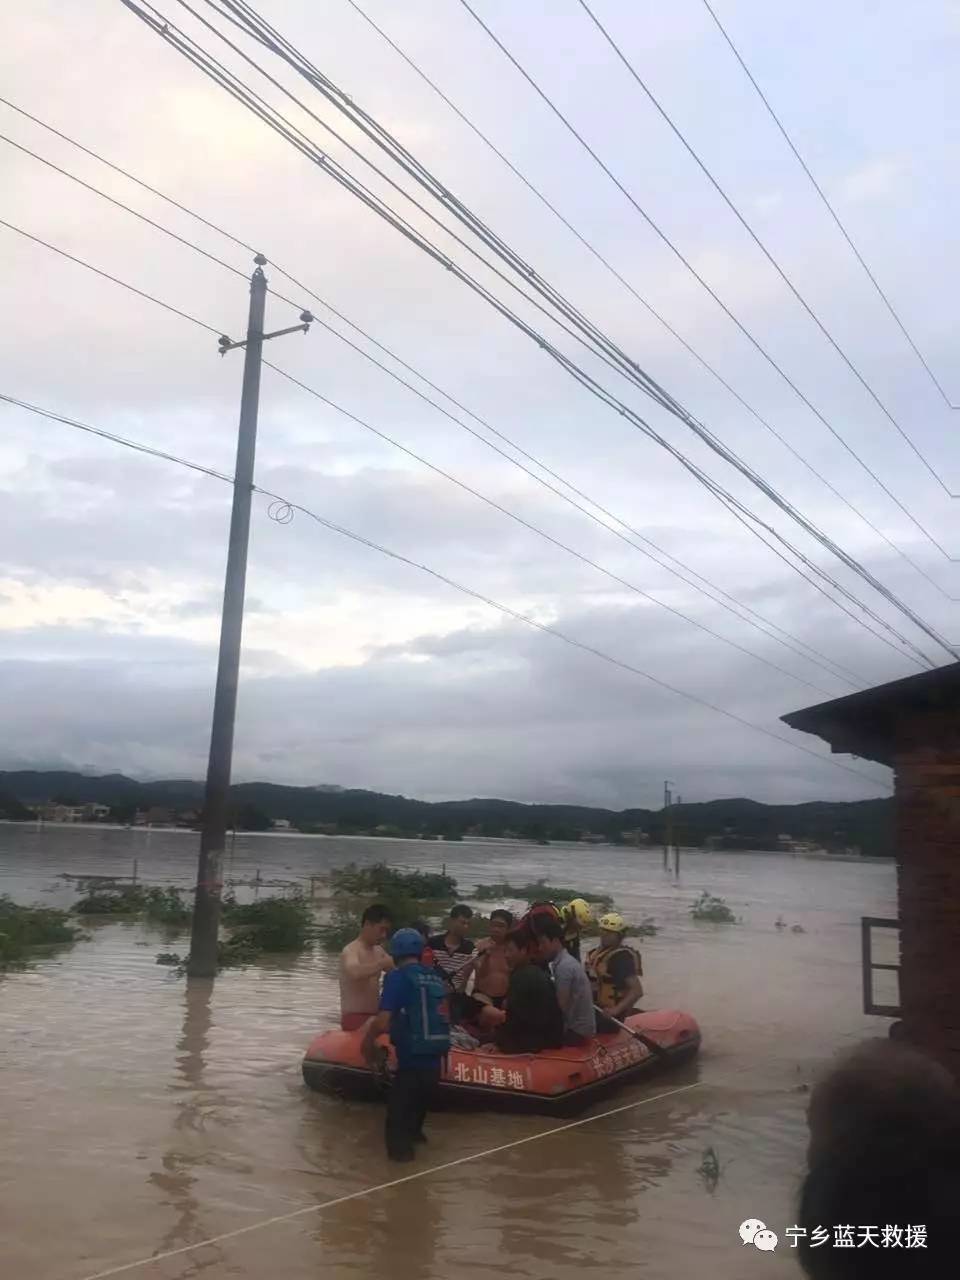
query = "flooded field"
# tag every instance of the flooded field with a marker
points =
(141, 1115)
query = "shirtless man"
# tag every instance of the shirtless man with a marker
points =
(361, 964)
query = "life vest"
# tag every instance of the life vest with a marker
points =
(606, 993)
(422, 1026)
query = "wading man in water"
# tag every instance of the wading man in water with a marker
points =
(361, 964)
(411, 1008)
(614, 969)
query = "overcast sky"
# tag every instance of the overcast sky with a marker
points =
(363, 671)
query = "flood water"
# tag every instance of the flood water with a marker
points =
(140, 1114)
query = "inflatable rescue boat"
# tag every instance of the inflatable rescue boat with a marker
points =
(554, 1080)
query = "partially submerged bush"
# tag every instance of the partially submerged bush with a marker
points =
(271, 924)
(708, 907)
(538, 891)
(256, 928)
(126, 901)
(408, 896)
(24, 930)
(166, 906)
(380, 881)
(159, 905)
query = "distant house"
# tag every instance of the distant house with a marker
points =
(61, 813)
(282, 824)
(96, 812)
(155, 816)
(590, 837)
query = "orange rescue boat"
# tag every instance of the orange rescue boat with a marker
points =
(553, 1080)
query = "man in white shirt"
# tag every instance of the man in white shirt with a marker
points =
(574, 994)
(361, 964)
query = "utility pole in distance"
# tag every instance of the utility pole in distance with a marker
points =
(202, 962)
(667, 825)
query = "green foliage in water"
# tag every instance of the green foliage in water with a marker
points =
(538, 891)
(166, 906)
(380, 881)
(159, 905)
(409, 896)
(708, 907)
(127, 901)
(25, 930)
(270, 924)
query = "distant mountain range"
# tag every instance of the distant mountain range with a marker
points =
(738, 823)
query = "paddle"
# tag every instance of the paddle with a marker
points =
(656, 1049)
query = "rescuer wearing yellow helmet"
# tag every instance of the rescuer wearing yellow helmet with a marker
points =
(575, 916)
(614, 969)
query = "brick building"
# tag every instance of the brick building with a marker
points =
(913, 725)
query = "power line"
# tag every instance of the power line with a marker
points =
(832, 211)
(490, 502)
(287, 505)
(368, 426)
(126, 174)
(428, 400)
(480, 496)
(678, 133)
(189, 244)
(607, 350)
(644, 302)
(535, 529)
(105, 275)
(754, 341)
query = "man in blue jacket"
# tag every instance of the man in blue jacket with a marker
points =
(413, 1009)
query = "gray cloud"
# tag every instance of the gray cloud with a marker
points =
(361, 670)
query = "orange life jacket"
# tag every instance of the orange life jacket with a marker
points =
(606, 992)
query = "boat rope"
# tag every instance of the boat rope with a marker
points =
(383, 1186)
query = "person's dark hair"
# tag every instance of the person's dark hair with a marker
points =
(377, 913)
(885, 1151)
(501, 913)
(546, 927)
(461, 912)
(520, 938)
(422, 928)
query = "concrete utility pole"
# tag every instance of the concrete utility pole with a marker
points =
(667, 824)
(676, 845)
(206, 910)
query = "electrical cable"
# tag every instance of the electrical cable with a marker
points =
(830, 209)
(627, 366)
(754, 341)
(283, 505)
(477, 494)
(490, 502)
(427, 399)
(644, 302)
(172, 34)
(140, 293)
(678, 133)
(184, 315)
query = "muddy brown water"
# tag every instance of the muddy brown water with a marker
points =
(140, 1114)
